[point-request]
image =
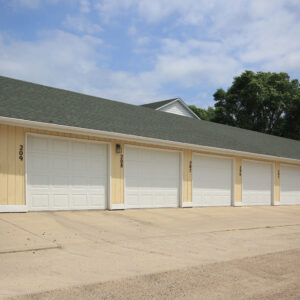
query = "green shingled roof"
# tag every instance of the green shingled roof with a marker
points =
(28, 101)
(155, 105)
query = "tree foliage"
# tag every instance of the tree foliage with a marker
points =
(204, 114)
(262, 101)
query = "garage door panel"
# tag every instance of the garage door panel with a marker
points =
(60, 146)
(38, 181)
(79, 200)
(256, 183)
(40, 201)
(59, 181)
(95, 200)
(60, 172)
(212, 181)
(132, 198)
(78, 148)
(59, 163)
(151, 178)
(289, 185)
(38, 163)
(60, 200)
(38, 145)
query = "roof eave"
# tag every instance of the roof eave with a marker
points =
(140, 139)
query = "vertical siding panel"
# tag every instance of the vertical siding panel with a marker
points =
(114, 174)
(121, 178)
(20, 167)
(190, 178)
(238, 180)
(187, 177)
(11, 160)
(3, 164)
(277, 182)
(117, 177)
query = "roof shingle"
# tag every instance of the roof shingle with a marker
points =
(28, 101)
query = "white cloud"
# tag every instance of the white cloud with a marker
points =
(31, 4)
(132, 30)
(73, 62)
(194, 63)
(25, 3)
(203, 46)
(59, 58)
(84, 6)
(81, 24)
(253, 32)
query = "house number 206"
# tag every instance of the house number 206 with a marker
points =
(21, 152)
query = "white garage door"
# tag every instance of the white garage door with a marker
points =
(212, 181)
(151, 178)
(256, 183)
(66, 174)
(289, 185)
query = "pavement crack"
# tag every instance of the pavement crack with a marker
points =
(209, 232)
(31, 249)
(28, 231)
(147, 251)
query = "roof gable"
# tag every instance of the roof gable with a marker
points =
(158, 104)
(175, 106)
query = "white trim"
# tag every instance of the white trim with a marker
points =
(187, 204)
(119, 206)
(124, 177)
(276, 203)
(232, 174)
(180, 184)
(181, 178)
(273, 183)
(174, 100)
(13, 208)
(26, 168)
(134, 138)
(238, 204)
(288, 165)
(109, 177)
(108, 165)
(149, 148)
(233, 193)
(183, 104)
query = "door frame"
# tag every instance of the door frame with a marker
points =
(180, 183)
(232, 174)
(53, 136)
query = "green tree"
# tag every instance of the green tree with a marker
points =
(262, 101)
(291, 127)
(204, 114)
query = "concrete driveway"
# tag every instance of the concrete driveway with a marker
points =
(192, 253)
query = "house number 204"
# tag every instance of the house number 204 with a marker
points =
(21, 152)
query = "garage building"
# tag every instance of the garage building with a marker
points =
(61, 150)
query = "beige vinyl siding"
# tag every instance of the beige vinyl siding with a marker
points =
(238, 180)
(12, 170)
(187, 176)
(277, 182)
(117, 176)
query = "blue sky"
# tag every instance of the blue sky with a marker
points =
(147, 50)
